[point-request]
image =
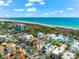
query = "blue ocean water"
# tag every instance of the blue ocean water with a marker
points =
(66, 22)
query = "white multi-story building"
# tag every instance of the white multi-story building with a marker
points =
(40, 35)
(59, 38)
(74, 46)
(48, 49)
(3, 38)
(53, 36)
(20, 27)
(56, 53)
(68, 55)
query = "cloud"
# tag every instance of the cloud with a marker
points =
(29, 4)
(7, 3)
(2, 3)
(52, 13)
(70, 8)
(20, 10)
(58, 11)
(28, 14)
(42, 2)
(0, 9)
(36, 0)
(32, 9)
(47, 14)
(61, 11)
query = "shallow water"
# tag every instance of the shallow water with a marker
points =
(65, 22)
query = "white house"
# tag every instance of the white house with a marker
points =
(66, 38)
(53, 36)
(28, 37)
(75, 46)
(40, 35)
(3, 36)
(58, 50)
(49, 48)
(50, 36)
(59, 38)
(68, 55)
(56, 53)
(39, 46)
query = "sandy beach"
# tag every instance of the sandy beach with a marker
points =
(40, 24)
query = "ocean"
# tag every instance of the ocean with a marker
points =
(64, 22)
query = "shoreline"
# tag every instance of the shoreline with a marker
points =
(40, 24)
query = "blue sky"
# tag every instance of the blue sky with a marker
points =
(39, 8)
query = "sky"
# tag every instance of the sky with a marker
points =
(39, 8)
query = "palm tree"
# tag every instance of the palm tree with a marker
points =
(53, 42)
(0, 56)
(77, 54)
(9, 41)
(57, 44)
(68, 45)
(0, 43)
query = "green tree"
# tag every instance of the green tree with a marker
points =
(77, 54)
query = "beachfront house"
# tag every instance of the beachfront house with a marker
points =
(74, 46)
(40, 35)
(56, 52)
(68, 55)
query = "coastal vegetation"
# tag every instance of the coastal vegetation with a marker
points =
(35, 28)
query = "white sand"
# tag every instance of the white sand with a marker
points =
(19, 21)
